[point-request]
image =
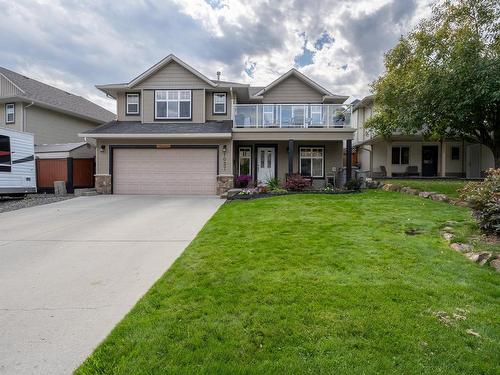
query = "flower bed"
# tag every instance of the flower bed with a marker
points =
(256, 195)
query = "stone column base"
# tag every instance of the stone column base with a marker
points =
(224, 183)
(103, 183)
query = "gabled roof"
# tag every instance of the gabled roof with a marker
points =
(55, 99)
(167, 60)
(365, 102)
(294, 72)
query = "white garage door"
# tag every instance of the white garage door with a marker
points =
(176, 171)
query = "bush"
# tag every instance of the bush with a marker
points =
(484, 199)
(296, 182)
(273, 184)
(242, 181)
(354, 184)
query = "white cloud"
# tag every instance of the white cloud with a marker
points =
(75, 45)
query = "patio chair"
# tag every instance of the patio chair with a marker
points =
(381, 174)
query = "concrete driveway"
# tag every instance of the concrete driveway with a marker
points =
(69, 271)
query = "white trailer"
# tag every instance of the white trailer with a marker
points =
(17, 162)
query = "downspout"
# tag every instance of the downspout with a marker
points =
(25, 115)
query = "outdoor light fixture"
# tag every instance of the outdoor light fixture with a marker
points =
(224, 148)
(102, 148)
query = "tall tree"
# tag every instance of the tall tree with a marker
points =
(443, 78)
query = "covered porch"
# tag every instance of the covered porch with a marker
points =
(321, 161)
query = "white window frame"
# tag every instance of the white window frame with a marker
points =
(322, 158)
(264, 112)
(10, 109)
(178, 100)
(214, 103)
(249, 149)
(401, 155)
(127, 111)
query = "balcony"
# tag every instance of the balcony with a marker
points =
(292, 116)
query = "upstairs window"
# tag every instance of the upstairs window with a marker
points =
(401, 155)
(5, 158)
(220, 103)
(173, 104)
(132, 104)
(10, 113)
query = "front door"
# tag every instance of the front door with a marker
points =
(429, 161)
(266, 162)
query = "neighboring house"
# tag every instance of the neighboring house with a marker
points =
(51, 114)
(179, 132)
(412, 155)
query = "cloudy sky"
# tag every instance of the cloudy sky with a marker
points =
(75, 44)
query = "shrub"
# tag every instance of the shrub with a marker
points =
(278, 191)
(273, 184)
(354, 184)
(484, 199)
(243, 180)
(296, 182)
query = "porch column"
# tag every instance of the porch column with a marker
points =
(348, 160)
(443, 159)
(388, 159)
(290, 157)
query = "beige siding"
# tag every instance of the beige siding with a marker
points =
(121, 109)
(7, 88)
(18, 124)
(210, 116)
(53, 127)
(173, 76)
(198, 107)
(292, 90)
(225, 165)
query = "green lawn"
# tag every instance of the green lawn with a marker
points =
(316, 284)
(448, 187)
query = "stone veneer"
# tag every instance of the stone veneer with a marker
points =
(224, 183)
(103, 183)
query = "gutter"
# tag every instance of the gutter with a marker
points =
(25, 115)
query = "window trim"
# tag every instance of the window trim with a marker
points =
(225, 103)
(13, 113)
(400, 155)
(311, 158)
(178, 106)
(9, 165)
(250, 170)
(127, 112)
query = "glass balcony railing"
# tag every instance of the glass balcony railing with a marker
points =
(291, 116)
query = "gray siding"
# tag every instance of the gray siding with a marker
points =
(53, 127)
(7, 88)
(173, 76)
(198, 107)
(120, 108)
(18, 124)
(292, 90)
(210, 116)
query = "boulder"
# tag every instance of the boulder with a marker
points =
(391, 187)
(472, 256)
(413, 191)
(439, 197)
(461, 247)
(495, 263)
(483, 258)
(448, 236)
(426, 194)
(232, 192)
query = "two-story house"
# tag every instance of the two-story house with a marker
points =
(54, 116)
(179, 132)
(413, 155)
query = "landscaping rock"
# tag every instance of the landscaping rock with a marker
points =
(439, 197)
(232, 192)
(483, 258)
(60, 188)
(473, 333)
(413, 191)
(448, 236)
(426, 194)
(495, 263)
(391, 187)
(461, 247)
(472, 256)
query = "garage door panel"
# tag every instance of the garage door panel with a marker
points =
(165, 171)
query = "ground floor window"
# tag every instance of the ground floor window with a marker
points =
(312, 161)
(245, 161)
(5, 158)
(400, 155)
(455, 153)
